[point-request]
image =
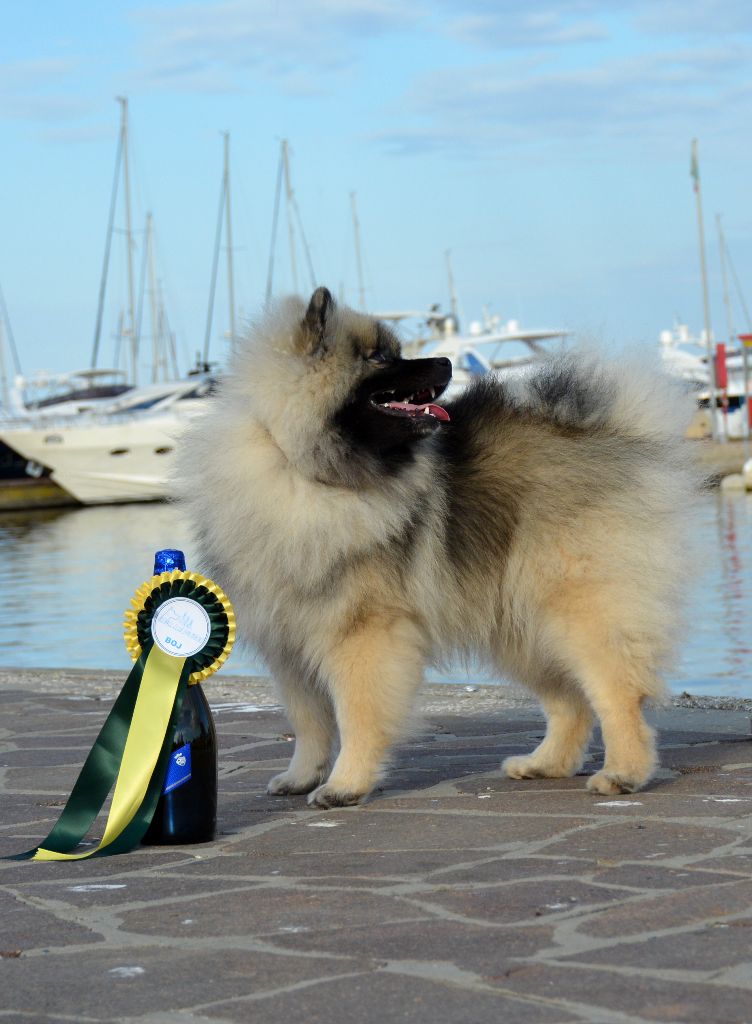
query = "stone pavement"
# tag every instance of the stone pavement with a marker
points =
(454, 895)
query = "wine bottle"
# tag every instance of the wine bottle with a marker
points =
(187, 808)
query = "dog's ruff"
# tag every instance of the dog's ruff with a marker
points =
(538, 529)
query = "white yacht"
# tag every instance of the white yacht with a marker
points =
(489, 346)
(117, 453)
(45, 396)
(685, 356)
(106, 446)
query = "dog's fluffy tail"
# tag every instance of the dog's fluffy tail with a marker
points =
(632, 396)
(631, 401)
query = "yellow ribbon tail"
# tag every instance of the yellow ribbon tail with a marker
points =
(146, 736)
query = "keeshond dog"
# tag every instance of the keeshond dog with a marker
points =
(363, 531)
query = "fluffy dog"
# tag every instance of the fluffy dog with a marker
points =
(363, 531)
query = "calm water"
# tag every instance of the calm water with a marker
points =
(67, 575)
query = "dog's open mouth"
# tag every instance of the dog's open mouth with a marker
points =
(412, 404)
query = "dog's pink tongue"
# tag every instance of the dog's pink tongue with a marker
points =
(420, 410)
(439, 412)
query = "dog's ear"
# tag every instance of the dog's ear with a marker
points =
(315, 328)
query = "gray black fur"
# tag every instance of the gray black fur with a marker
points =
(362, 535)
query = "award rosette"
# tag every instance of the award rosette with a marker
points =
(179, 630)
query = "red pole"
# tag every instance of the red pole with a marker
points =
(721, 372)
(746, 340)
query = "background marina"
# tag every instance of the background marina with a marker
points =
(67, 576)
(127, 438)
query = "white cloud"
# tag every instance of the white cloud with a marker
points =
(36, 90)
(517, 24)
(218, 45)
(35, 72)
(663, 97)
(700, 17)
(67, 135)
(513, 26)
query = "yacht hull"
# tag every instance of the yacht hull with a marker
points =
(106, 463)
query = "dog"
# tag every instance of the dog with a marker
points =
(364, 530)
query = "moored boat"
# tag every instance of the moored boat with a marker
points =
(119, 455)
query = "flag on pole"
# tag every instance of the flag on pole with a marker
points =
(694, 168)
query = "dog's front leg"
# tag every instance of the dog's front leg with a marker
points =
(311, 716)
(373, 674)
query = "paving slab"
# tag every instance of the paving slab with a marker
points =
(453, 895)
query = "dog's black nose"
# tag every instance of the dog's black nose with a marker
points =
(443, 361)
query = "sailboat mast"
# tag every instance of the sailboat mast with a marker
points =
(215, 267)
(724, 278)
(156, 355)
(168, 335)
(275, 219)
(726, 258)
(228, 232)
(358, 256)
(452, 290)
(5, 318)
(695, 172)
(290, 213)
(131, 328)
(107, 247)
(4, 392)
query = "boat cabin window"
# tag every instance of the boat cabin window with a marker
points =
(472, 364)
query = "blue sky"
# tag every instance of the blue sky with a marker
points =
(545, 144)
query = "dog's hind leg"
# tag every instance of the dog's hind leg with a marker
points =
(631, 757)
(373, 675)
(312, 718)
(617, 674)
(569, 721)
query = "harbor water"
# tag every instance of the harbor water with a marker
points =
(67, 575)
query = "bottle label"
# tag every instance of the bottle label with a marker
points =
(181, 627)
(179, 768)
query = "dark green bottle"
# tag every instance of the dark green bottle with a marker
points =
(187, 809)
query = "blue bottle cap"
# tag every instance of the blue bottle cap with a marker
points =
(167, 560)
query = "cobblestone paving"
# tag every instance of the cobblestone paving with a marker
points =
(454, 895)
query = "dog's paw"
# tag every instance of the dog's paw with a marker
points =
(519, 768)
(287, 784)
(529, 767)
(607, 784)
(329, 796)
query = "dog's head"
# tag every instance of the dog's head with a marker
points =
(389, 400)
(330, 385)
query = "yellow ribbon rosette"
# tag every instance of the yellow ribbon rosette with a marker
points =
(179, 630)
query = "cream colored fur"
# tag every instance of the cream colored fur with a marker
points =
(582, 608)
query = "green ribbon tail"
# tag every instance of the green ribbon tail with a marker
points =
(101, 770)
(135, 830)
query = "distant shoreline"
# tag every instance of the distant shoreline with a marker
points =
(259, 691)
(720, 459)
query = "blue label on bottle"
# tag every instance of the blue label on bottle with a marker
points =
(178, 769)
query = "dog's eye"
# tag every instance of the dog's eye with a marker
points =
(379, 358)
